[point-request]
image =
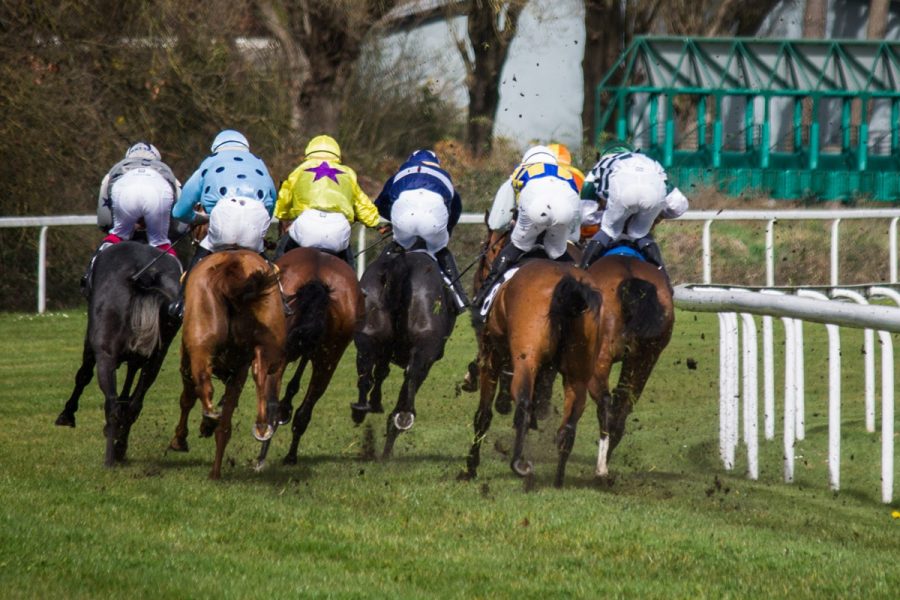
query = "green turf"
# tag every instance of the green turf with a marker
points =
(672, 523)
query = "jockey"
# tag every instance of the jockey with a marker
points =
(140, 186)
(547, 200)
(235, 190)
(421, 202)
(319, 200)
(629, 192)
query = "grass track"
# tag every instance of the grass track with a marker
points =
(672, 524)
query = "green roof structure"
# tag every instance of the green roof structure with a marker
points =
(730, 113)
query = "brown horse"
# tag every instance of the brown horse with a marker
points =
(232, 317)
(636, 322)
(327, 306)
(544, 320)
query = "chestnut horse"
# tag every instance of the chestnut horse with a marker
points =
(636, 322)
(233, 316)
(127, 323)
(543, 320)
(327, 306)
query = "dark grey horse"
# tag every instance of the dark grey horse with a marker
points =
(127, 323)
(409, 316)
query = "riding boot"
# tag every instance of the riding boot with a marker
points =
(447, 264)
(176, 307)
(348, 257)
(507, 257)
(649, 248)
(87, 280)
(288, 311)
(595, 249)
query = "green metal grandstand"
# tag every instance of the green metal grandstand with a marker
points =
(730, 113)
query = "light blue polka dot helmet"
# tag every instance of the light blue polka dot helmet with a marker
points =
(229, 139)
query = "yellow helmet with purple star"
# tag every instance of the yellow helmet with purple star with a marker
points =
(324, 147)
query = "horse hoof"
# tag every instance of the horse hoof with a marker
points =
(503, 404)
(404, 421)
(214, 415)
(465, 476)
(64, 420)
(284, 414)
(208, 426)
(522, 467)
(376, 408)
(358, 412)
(260, 465)
(290, 459)
(263, 434)
(178, 445)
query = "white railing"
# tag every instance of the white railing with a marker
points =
(707, 216)
(806, 305)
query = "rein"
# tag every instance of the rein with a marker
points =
(135, 277)
(480, 255)
(374, 244)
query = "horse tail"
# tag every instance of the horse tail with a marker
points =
(243, 290)
(571, 298)
(311, 307)
(642, 314)
(144, 316)
(396, 278)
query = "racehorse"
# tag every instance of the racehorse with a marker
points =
(636, 322)
(543, 320)
(233, 317)
(327, 306)
(408, 318)
(127, 323)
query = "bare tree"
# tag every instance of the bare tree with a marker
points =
(322, 41)
(491, 27)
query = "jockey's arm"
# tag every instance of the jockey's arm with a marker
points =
(183, 209)
(104, 206)
(285, 211)
(676, 204)
(455, 210)
(503, 207)
(364, 210)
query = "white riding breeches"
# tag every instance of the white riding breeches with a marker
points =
(420, 213)
(636, 198)
(319, 229)
(141, 193)
(550, 205)
(237, 222)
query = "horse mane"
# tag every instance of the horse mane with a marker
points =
(231, 282)
(642, 313)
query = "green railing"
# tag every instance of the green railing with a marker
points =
(704, 108)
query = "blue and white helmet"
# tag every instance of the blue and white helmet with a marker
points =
(229, 139)
(143, 150)
(421, 156)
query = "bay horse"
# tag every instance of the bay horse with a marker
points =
(127, 323)
(408, 318)
(636, 321)
(233, 318)
(543, 320)
(327, 307)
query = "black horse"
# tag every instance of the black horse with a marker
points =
(409, 316)
(127, 323)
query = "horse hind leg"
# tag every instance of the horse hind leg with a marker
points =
(286, 407)
(523, 390)
(482, 421)
(318, 383)
(636, 371)
(106, 377)
(403, 417)
(576, 395)
(223, 430)
(83, 377)
(372, 367)
(188, 398)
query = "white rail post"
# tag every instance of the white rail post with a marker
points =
(799, 383)
(868, 359)
(768, 341)
(42, 271)
(750, 392)
(789, 416)
(835, 251)
(724, 386)
(887, 401)
(360, 255)
(734, 392)
(834, 395)
(707, 251)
